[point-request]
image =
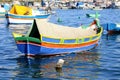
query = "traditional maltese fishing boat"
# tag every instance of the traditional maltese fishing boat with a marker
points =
(22, 14)
(45, 38)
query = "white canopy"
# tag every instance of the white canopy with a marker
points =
(58, 31)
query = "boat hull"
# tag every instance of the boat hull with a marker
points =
(23, 19)
(19, 21)
(111, 28)
(39, 49)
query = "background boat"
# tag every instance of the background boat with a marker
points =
(111, 28)
(22, 14)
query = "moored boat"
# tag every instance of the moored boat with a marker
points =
(22, 14)
(111, 28)
(45, 38)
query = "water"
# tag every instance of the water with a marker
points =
(102, 63)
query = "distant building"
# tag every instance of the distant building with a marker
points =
(19, 0)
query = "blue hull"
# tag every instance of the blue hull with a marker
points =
(40, 50)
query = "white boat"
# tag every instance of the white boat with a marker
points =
(22, 14)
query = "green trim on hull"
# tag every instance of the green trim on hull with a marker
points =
(27, 39)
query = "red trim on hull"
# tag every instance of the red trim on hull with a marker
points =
(67, 45)
(60, 45)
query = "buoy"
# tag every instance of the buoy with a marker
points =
(59, 65)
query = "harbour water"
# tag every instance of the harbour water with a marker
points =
(101, 63)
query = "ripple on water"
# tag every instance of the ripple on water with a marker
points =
(101, 64)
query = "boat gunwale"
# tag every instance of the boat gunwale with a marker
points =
(18, 15)
(40, 39)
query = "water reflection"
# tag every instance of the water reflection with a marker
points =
(77, 66)
(115, 37)
(3, 21)
(19, 28)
